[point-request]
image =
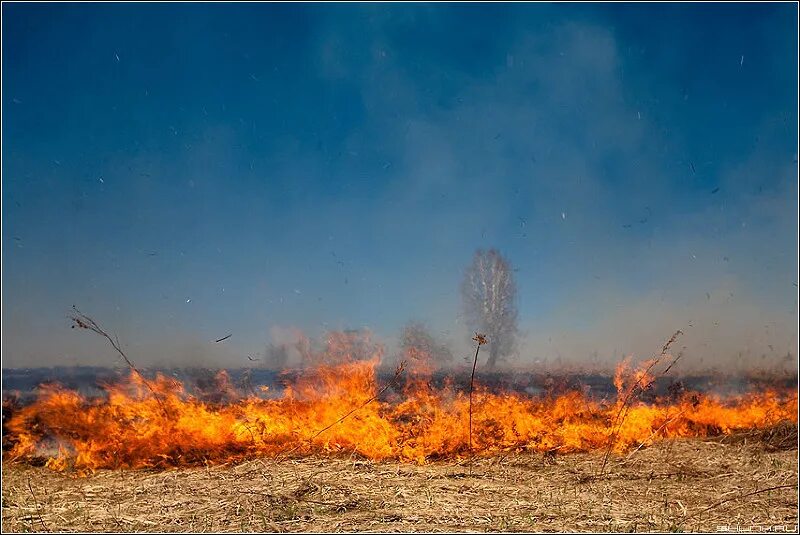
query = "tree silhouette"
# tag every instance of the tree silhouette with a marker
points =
(489, 292)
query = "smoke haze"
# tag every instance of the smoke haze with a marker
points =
(184, 172)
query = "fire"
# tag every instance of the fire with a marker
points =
(131, 428)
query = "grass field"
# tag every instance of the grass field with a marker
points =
(675, 485)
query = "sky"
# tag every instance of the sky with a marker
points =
(182, 172)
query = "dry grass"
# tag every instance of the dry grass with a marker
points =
(667, 487)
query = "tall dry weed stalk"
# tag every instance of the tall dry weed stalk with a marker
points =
(82, 321)
(642, 383)
(480, 339)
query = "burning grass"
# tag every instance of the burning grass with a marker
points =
(339, 450)
(339, 408)
(675, 485)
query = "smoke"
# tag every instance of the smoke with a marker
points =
(422, 350)
(285, 348)
(291, 348)
(631, 198)
(724, 329)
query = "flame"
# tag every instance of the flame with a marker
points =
(131, 428)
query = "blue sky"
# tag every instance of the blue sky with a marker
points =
(180, 172)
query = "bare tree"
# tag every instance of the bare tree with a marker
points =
(489, 293)
(277, 356)
(418, 344)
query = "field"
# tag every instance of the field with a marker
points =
(740, 482)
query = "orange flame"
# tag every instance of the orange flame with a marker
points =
(129, 428)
